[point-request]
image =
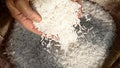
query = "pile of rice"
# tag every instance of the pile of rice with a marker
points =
(58, 19)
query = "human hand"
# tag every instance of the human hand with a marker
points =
(22, 12)
(80, 2)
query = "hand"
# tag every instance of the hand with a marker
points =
(80, 2)
(21, 11)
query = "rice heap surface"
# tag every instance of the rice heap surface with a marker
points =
(58, 18)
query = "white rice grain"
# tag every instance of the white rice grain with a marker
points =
(58, 18)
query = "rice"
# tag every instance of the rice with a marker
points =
(58, 19)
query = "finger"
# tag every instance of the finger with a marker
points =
(80, 12)
(15, 12)
(36, 31)
(11, 6)
(24, 7)
(79, 1)
(74, 0)
(27, 23)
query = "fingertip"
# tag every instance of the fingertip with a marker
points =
(34, 30)
(35, 16)
(74, 0)
(38, 18)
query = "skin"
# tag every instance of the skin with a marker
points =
(22, 12)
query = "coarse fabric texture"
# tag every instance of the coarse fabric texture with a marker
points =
(32, 51)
